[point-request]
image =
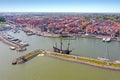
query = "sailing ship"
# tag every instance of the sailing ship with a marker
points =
(67, 51)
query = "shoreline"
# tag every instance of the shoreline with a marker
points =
(78, 59)
(82, 60)
(79, 36)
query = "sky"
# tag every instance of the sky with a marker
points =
(60, 6)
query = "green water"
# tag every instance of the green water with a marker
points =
(47, 68)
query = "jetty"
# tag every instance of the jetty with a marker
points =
(112, 65)
(27, 57)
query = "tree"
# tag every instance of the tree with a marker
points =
(83, 26)
(2, 19)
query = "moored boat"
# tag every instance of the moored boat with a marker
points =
(21, 49)
(103, 39)
(12, 48)
(29, 33)
(61, 51)
(103, 59)
(106, 39)
(67, 51)
(117, 61)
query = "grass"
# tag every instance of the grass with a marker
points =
(92, 61)
(3, 23)
(88, 60)
(115, 65)
(63, 55)
(33, 54)
(77, 59)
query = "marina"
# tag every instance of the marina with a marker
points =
(14, 42)
(60, 40)
(59, 47)
(86, 47)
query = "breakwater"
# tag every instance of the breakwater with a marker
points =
(85, 60)
(79, 59)
(27, 57)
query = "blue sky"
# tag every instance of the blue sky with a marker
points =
(59, 6)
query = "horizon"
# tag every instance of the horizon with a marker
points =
(70, 12)
(57, 6)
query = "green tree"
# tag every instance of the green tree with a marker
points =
(2, 19)
(83, 26)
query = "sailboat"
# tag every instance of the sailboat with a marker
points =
(104, 58)
(67, 51)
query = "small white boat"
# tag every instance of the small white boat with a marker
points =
(21, 49)
(86, 34)
(117, 61)
(103, 59)
(29, 33)
(24, 44)
(106, 39)
(12, 48)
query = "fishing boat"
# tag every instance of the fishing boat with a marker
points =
(67, 51)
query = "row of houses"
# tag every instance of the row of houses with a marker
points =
(68, 24)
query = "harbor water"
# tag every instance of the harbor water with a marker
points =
(47, 68)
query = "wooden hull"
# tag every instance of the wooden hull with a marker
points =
(61, 51)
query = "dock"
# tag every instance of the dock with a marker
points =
(27, 57)
(19, 46)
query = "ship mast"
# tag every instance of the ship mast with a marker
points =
(68, 44)
(56, 45)
(61, 43)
